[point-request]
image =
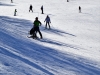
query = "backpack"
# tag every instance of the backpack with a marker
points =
(31, 31)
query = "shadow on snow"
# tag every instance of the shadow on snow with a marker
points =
(4, 4)
(57, 31)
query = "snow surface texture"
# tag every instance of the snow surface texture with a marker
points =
(70, 47)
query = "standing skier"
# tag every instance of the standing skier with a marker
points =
(48, 21)
(42, 9)
(31, 8)
(15, 12)
(79, 9)
(36, 29)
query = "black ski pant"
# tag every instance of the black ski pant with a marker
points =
(36, 29)
(47, 23)
(42, 11)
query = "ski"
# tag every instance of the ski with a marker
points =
(36, 38)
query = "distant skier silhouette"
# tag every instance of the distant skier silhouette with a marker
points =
(79, 9)
(31, 8)
(42, 9)
(15, 12)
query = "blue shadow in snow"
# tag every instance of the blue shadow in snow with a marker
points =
(49, 41)
(4, 4)
(57, 31)
(5, 52)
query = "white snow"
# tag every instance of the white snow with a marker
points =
(71, 47)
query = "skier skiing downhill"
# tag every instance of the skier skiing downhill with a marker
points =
(31, 8)
(48, 21)
(15, 12)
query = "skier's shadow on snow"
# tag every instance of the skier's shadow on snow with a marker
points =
(45, 14)
(87, 14)
(56, 31)
(49, 41)
(4, 4)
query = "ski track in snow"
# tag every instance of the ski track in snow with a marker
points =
(20, 55)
